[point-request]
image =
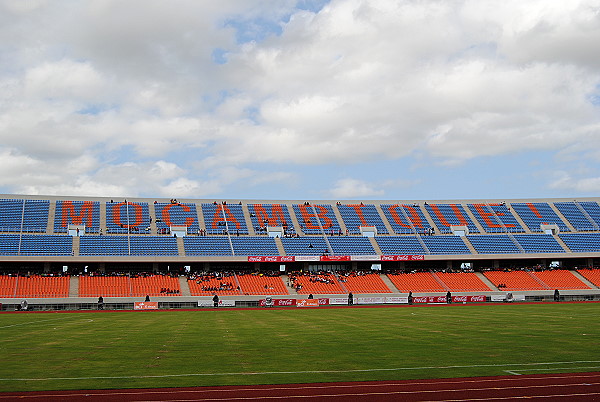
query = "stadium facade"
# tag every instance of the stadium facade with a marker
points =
(78, 235)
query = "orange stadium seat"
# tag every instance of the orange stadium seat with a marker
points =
(364, 283)
(592, 275)
(416, 282)
(463, 282)
(253, 284)
(206, 286)
(324, 283)
(560, 279)
(514, 280)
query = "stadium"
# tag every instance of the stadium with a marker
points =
(265, 259)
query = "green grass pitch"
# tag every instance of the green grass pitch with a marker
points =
(225, 347)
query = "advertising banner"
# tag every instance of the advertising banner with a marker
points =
(505, 297)
(397, 300)
(365, 257)
(323, 301)
(272, 258)
(369, 300)
(468, 299)
(222, 303)
(335, 258)
(402, 257)
(338, 300)
(145, 305)
(307, 303)
(278, 302)
(429, 299)
(307, 258)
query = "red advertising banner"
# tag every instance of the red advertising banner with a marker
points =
(272, 258)
(307, 303)
(335, 258)
(278, 302)
(323, 302)
(429, 299)
(468, 299)
(145, 305)
(402, 257)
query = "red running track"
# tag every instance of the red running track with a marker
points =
(549, 387)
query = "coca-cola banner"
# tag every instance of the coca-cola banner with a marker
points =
(468, 299)
(323, 301)
(402, 257)
(272, 258)
(429, 299)
(278, 302)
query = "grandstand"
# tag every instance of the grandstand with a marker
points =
(83, 247)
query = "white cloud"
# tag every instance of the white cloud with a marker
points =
(354, 188)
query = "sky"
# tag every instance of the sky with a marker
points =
(294, 100)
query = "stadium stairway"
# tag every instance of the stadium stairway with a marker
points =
(538, 280)
(485, 280)
(280, 248)
(388, 282)
(75, 246)
(183, 286)
(583, 279)
(375, 245)
(469, 245)
(74, 286)
(439, 280)
(51, 213)
(290, 289)
(561, 242)
(387, 224)
(180, 247)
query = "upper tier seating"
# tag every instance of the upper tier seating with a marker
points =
(176, 214)
(462, 281)
(495, 218)
(357, 215)
(77, 213)
(103, 245)
(127, 217)
(406, 219)
(207, 245)
(128, 245)
(416, 282)
(535, 214)
(153, 245)
(316, 219)
(312, 283)
(581, 242)
(578, 215)
(363, 283)
(270, 215)
(343, 245)
(254, 245)
(539, 243)
(447, 215)
(445, 244)
(493, 244)
(259, 284)
(400, 245)
(28, 244)
(560, 279)
(308, 245)
(222, 218)
(515, 280)
(592, 275)
(18, 215)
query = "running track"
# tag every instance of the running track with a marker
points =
(550, 387)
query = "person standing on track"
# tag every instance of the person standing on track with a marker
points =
(216, 300)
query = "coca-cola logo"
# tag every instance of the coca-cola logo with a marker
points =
(285, 302)
(287, 259)
(271, 259)
(420, 299)
(254, 259)
(460, 298)
(480, 298)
